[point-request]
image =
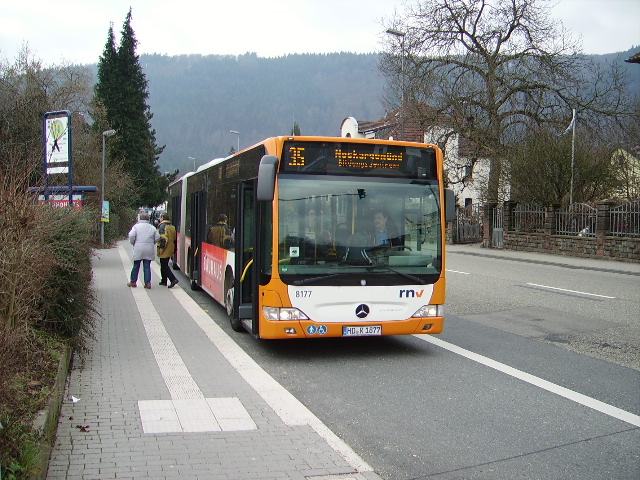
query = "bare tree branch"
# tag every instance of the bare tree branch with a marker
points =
(497, 68)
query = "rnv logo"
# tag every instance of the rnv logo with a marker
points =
(411, 293)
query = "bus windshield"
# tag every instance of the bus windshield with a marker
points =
(358, 230)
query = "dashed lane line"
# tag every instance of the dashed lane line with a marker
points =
(570, 291)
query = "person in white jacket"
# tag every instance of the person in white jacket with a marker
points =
(143, 236)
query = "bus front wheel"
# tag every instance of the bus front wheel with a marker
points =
(235, 322)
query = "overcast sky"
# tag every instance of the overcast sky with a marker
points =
(76, 30)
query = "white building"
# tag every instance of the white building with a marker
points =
(467, 173)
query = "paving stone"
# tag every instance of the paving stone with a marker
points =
(149, 350)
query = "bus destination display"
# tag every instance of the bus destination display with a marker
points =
(361, 159)
(349, 158)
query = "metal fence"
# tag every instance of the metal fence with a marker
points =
(469, 224)
(528, 217)
(577, 219)
(625, 220)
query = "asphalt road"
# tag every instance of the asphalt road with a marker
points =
(535, 377)
(586, 306)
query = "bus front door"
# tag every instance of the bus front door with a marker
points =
(245, 313)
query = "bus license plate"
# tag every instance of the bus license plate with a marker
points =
(362, 331)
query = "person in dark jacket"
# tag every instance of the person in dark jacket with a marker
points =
(166, 249)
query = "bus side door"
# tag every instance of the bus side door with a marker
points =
(247, 256)
(198, 235)
(176, 219)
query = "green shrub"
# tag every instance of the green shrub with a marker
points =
(120, 221)
(46, 302)
(68, 301)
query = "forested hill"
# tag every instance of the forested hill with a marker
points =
(196, 100)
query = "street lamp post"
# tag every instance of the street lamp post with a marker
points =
(194, 162)
(105, 134)
(573, 154)
(571, 128)
(400, 35)
(238, 134)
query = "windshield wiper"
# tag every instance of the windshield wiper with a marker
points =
(402, 274)
(316, 279)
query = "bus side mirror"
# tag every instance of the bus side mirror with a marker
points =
(267, 178)
(449, 205)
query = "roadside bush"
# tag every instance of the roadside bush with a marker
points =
(67, 301)
(46, 302)
(24, 257)
(120, 222)
(45, 264)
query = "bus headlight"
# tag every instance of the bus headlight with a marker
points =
(429, 311)
(279, 313)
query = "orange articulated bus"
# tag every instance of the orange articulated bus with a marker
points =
(309, 237)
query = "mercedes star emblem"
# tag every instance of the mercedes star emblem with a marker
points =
(362, 311)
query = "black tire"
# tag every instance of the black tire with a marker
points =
(236, 324)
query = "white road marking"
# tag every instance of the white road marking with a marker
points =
(570, 291)
(456, 271)
(538, 382)
(194, 415)
(188, 410)
(289, 408)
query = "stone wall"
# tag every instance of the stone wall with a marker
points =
(626, 249)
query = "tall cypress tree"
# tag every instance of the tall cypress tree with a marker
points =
(107, 87)
(123, 90)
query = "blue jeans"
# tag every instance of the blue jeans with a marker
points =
(146, 268)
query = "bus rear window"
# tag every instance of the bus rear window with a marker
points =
(338, 158)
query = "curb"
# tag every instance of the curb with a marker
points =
(546, 262)
(46, 422)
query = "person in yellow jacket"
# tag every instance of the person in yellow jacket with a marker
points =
(166, 249)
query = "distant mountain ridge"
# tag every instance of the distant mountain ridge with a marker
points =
(196, 100)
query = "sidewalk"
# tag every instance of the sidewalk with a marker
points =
(166, 394)
(566, 261)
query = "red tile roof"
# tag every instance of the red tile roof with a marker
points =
(416, 124)
(634, 58)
